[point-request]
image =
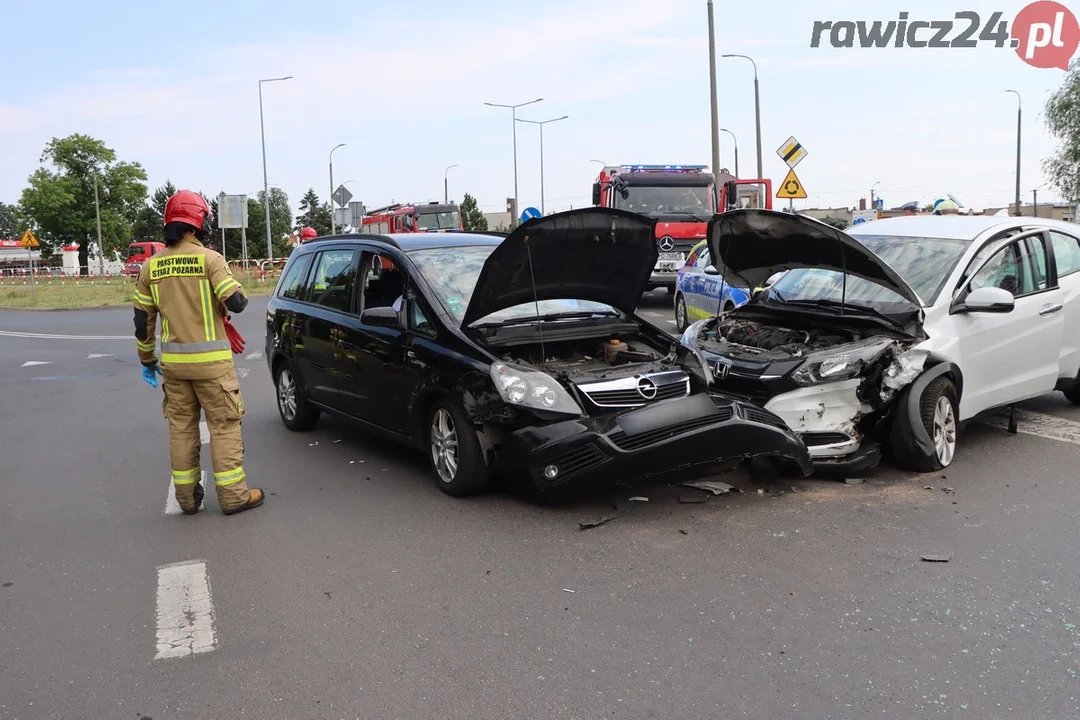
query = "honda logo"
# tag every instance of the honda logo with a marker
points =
(646, 388)
(721, 370)
(666, 243)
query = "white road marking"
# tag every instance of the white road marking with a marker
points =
(670, 322)
(49, 336)
(171, 506)
(204, 432)
(1039, 425)
(29, 363)
(91, 356)
(242, 372)
(185, 610)
(254, 356)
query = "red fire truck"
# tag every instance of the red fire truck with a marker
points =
(415, 217)
(682, 198)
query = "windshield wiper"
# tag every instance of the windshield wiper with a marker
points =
(858, 309)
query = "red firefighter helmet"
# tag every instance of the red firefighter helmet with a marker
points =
(308, 233)
(191, 208)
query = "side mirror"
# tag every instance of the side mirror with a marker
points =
(711, 270)
(596, 193)
(987, 299)
(731, 191)
(758, 293)
(380, 317)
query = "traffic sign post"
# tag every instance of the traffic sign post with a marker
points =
(791, 188)
(791, 152)
(529, 213)
(342, 196)
(29, 241)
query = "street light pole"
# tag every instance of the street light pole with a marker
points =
(714, 113)
(736, 141)
(541, 124)
(513, 118)
(333, 224)
(1018, 127)
(97, 217)
(757, 109)
(446, 184)
(266, 182)
(872, 205)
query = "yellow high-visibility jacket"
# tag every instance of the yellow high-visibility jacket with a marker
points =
(186, 285)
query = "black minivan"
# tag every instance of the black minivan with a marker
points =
(517, 356)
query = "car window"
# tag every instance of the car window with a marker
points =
(1066, 253)
(1037, 246)
(332, 282)
(383, 284)
(292, 284)
(1007, 269)
(418, 319)
(703, 259)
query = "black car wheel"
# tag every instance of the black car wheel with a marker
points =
(295, 411)
(455, 452)
(938, 411)
(1073, 393)
(681, 320)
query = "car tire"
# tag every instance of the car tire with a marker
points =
(454, 451)
(295, 411)
(670, 289)
(682, 320)
(938, 410)
(1073, 394)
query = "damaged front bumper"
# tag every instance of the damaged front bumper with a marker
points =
(667, 441)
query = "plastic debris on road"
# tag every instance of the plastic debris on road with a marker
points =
(937, 558)
(854, 481)
(590, 524)
(713, 486)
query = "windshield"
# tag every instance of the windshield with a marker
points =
(439, 221)
(645, 200)
(452, 273)
(136, 250)
(923, 263)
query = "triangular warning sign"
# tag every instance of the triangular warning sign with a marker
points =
(28, 240)
(791, 188)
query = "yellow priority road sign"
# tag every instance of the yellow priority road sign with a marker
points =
(791, 188)
(28, 240)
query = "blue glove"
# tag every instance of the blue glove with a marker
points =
(148, 374)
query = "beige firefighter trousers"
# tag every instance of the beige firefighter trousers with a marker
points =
(220, 400)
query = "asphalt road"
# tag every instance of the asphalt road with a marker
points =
(361, 591)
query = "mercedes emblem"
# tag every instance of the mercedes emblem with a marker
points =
(666, 243)
(646, 388)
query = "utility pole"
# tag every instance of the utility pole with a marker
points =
(513, 121)
(712, 93)
(266, 183)
(446, 184)
(333, 226)
(736, 141)
(873, 205)
(1018, 133)
(541, 124)
(97, 216)
(757, 108)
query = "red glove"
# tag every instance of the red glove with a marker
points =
(236, 340)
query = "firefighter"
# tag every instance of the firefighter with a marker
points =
(192, 288)
(308, 233)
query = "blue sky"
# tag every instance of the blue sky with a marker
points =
(174, 86)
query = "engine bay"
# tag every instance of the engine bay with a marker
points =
(750, 339)
(593, 359)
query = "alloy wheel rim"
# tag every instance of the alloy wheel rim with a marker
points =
(944, 431)
(287, 395)
(444, 445)
(680, 313)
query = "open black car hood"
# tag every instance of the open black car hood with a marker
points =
(750, 245)
(599, 254)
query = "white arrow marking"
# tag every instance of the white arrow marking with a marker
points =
(28, 363)
(204, 432)
(242, 372)
(185, 610)
(254, 356)
(1039, 425)
(91, 356)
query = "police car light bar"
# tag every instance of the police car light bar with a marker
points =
(633, 168)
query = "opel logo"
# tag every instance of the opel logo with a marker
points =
(721, 370)
(646, 388)
(666, 243)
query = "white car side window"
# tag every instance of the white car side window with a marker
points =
(1001, 271)
(1066, 253)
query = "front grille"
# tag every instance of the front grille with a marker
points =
(628, 391)
(824, 438)
(764, 417)
(637, 442)
(570, 463)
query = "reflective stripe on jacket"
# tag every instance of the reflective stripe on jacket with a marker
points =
(185, 284)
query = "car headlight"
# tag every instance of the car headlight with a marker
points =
(532, 389)
(841, 366)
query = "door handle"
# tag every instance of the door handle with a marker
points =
(1050, 309)
(409, 354)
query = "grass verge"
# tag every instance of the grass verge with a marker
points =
(68, 295)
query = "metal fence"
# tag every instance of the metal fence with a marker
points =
(253, 271)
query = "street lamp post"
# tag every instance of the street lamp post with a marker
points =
(1035, 198)
(513, 117)
(872, 205)
(714, 113)
(100, 247)
(266, 183)
(333, 225)
(446, 184)
(757, 108)
(1018, 126)
(736, 141)
(541, 124)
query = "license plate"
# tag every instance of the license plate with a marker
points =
(677, 256)
(667, 266)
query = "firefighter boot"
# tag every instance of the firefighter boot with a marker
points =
(181, 408)
(224, 408)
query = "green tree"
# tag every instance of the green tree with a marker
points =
(281, 222)
(59, 198)
(471, 217)
(1062, 113)
(838, 223)
(9, 221)
(313, 213)
(151, 219)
